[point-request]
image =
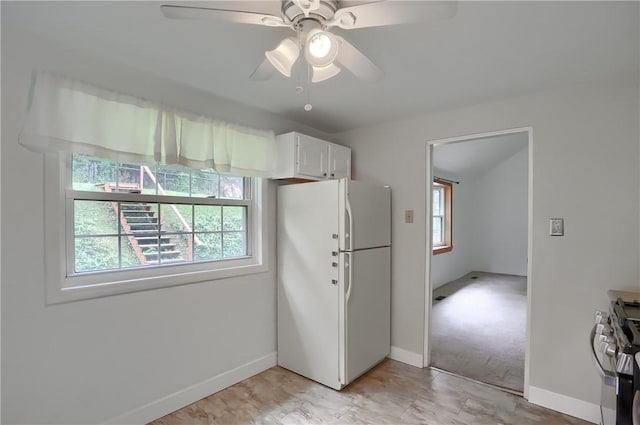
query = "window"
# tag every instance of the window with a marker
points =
(169, 215)
(131, 227)
(442, 216)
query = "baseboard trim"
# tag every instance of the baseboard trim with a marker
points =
(172, 402)
(405, 356)
(565, 404)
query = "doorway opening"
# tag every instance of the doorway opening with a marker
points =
(478, 264)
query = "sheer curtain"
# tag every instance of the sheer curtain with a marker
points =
(70, 116)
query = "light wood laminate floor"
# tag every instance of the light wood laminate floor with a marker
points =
(391, 393)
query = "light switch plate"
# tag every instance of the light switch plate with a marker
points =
(408, 216)
(556, 226)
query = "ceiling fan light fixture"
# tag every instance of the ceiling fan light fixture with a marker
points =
(321, 73)
(307, 5)
(321, 48)
(284, 56)
(319, 45)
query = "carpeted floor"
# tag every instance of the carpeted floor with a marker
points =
(478, 330)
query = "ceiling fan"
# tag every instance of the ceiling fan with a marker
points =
(325, 52)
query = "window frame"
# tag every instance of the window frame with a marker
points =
(64, 286)
(447, 228)
(441, 203)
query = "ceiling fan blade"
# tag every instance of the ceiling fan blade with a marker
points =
(392, 13)
(206, 13)
(321, 73)
(356, 62)
(263, 72)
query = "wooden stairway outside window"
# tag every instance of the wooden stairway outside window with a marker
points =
(144, 231)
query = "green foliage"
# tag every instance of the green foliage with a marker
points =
(220, 231)
(173, 180)
(214, 227)
(90, 173)
(99, 253)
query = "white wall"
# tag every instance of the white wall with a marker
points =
(499, 213)
(490, 210)
(585, 143)
(92, 361)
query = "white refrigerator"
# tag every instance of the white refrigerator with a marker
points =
(334, 274)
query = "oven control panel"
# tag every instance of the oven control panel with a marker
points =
(604, 348)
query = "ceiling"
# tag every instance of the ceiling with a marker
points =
(477, 156)
(489, 50)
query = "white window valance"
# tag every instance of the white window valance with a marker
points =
(70, 116)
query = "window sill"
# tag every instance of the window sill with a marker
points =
(98, 285)
(442, 249)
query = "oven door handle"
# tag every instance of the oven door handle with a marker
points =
(609, 378)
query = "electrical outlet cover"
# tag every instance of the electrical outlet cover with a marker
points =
(408, 216)
(556, 226)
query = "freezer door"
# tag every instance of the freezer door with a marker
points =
(367, 286)
(366, 220)
(308, 281)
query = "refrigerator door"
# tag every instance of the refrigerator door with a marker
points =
(367, 309)
(308, 281)
(366, 220)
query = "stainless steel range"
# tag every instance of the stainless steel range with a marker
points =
(615, 341)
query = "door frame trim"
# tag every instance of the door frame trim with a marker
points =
(428, 242)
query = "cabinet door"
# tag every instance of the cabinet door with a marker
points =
(311, 157)
(339, 161)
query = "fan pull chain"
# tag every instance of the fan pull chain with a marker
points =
(308, 106)
(299, 88)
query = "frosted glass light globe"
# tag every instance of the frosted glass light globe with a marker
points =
(320, 45)
(321, 48)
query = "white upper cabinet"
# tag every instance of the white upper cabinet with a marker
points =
(312, 157)
(305, 157)
(339, 161)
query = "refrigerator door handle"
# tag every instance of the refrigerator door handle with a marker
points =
(348, 234)
(636, 409)
(348, 276)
